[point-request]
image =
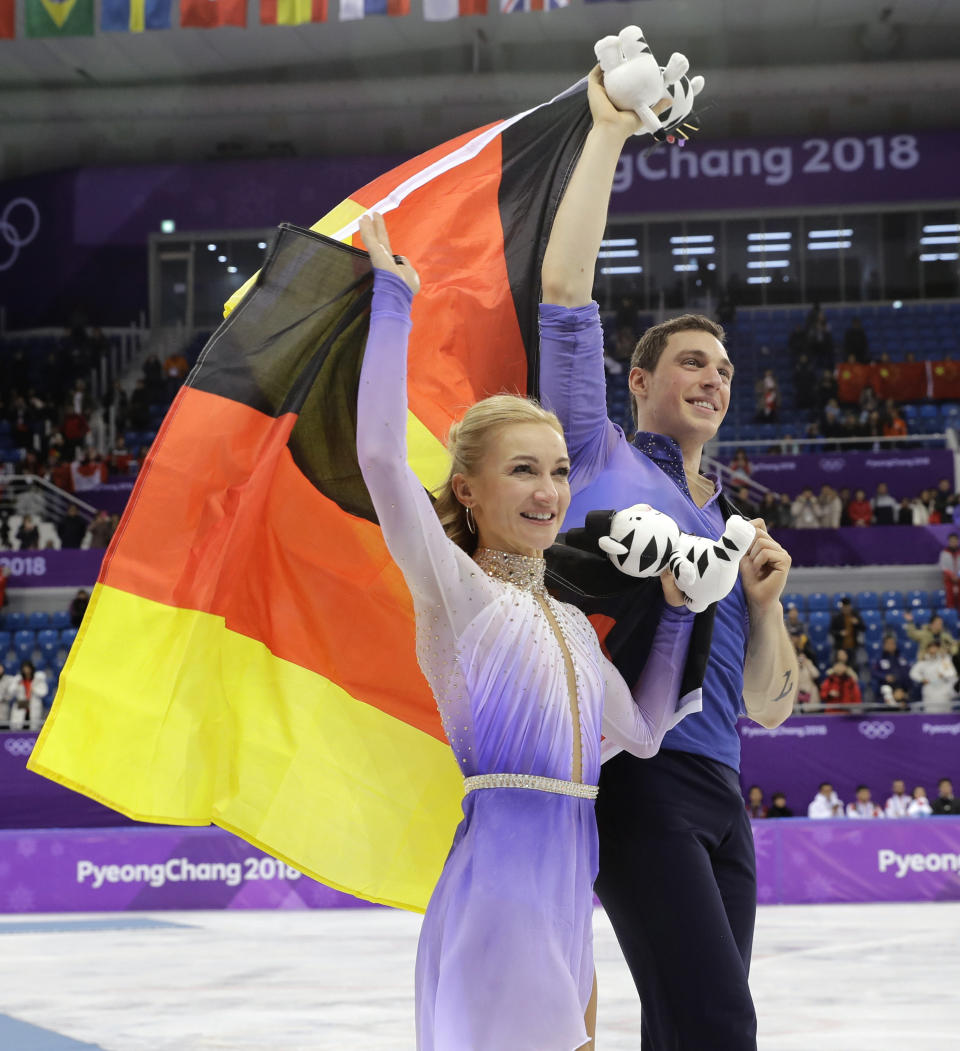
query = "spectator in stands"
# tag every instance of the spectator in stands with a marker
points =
(820, 340)
(893, 423)
(78, 606)
(945, 804)
(28, 534)
(826, 392)
(949, 565)
(778, 806)
(745, 504)
(4, 573)
(61, 472)
(831, 424)
(846, 627)
(851, 429)
(884, 506)
(932, 632)
(808, 695)
(937, 677)
(890, 669)
(898, 698)
(844, 494)
(905, 512)
(740, 468)
(855, 342)
(863, 806)
(117, 399)
(101, 530)
(75, 427)
(152, 383)
(859, 510)
(919, 804)
(826, 803)
(31, 501)
(772, 511)
(24, 694)
(803, 510)
(768, 398)
(793, 622)
(71, 528)
(120, 457)
(921, 508)
(840, 689)
(944, 500)
(898, 802)
(755, 807)
(829, 508)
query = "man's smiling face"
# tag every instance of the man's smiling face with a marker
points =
(687, 395)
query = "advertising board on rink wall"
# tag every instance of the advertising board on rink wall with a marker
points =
(154, 868)
(802, 862)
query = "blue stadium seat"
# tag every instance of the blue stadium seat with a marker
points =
(38, 620)
(909, 649)
(60, 620)
(891, 600)
(872, 617)
(15, 621)
(866, 600)
(950, 619)
(874, 648)
(67, 635)
(921, 617)
(893, 618)
(819, 618)
(6, 641)
(938, 598)
(796, 598)
(918, 598)
(818, 601)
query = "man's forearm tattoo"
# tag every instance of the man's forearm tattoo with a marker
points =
(787, 687)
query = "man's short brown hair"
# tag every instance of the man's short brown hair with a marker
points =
(646, 354)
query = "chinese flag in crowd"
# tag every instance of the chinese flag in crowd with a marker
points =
(851, 379)
(901, 380)
(247, 657)
(292, 12)
(207, 14)
(945, 377)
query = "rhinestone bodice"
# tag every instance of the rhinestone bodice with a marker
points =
(524, 571)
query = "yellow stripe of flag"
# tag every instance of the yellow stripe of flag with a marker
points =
(202, 739)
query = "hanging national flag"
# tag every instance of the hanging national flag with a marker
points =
(292, 12)
(209, 14)
(134, 16)
(352, 9)
(509, 7)
(45, 18)
(443, 10)
(7, 20)
(247, 657)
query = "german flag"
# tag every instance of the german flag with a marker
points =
(247, 657)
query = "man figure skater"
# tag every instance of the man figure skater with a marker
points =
(677, 868)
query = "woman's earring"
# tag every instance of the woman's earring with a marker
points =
(471, 524)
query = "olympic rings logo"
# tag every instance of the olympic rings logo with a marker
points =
(20, 745)
(875, 731)
(11, 232)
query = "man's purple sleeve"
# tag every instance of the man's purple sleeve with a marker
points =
(573, 385)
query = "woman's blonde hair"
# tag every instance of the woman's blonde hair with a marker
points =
(468, 442)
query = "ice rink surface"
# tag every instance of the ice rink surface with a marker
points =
(825, 978)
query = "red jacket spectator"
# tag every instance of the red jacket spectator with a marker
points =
(859, 510)
(840, 691)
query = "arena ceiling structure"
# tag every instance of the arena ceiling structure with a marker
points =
(399, 85)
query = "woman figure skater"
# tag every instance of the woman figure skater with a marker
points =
(505, 958)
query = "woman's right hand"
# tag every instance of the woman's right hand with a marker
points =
(376, 240)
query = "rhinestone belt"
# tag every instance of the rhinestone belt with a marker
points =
(540, 784)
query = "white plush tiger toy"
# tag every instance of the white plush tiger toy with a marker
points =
(633, 79)
(643, 542)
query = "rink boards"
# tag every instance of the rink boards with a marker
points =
(150, 868)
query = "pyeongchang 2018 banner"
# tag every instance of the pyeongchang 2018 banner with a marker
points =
(119, 869)
(801, 862)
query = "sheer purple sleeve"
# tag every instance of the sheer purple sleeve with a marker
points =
(436, 571)
(637, 720)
